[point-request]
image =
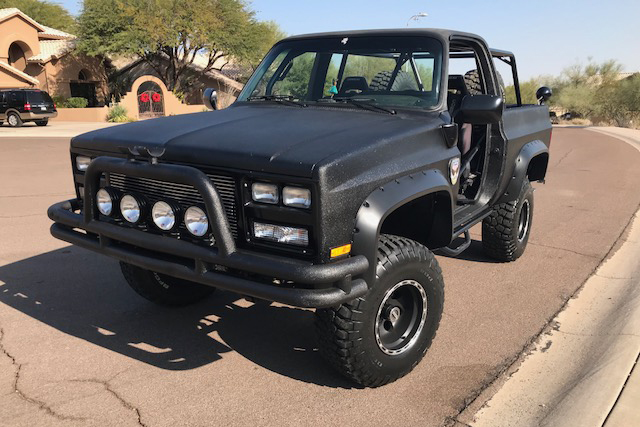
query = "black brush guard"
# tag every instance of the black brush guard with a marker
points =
(325, 285)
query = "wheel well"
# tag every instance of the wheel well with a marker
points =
(537, 168)
(427, 220)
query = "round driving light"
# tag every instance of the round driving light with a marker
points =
(196, 221)
(104, 202)
(164, 217)
(130, 208)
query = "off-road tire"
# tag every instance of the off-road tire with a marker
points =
(42, 122)
(17, 122)
(503, 238)
(474, 84)
(403, 81)
(162, 289)
(347, 334)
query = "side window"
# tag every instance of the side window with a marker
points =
(505, 80)
(2, 97)
(465, 69)
(295, 77)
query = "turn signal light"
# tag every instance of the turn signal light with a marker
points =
(340, 250)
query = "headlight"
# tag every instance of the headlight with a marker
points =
(131, 208)
(104, 201)
(281, 234)
(196, 221)
(164, 216)
(296, 197)
(264, 193)
(82, 163)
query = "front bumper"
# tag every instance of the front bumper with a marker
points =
(320, 285)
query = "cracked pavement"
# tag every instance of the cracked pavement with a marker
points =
(80, 348)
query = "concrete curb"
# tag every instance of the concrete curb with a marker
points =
(579, 366)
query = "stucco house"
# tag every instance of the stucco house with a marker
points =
(34, 55)
(37, 56)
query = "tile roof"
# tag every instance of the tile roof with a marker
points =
(53, 33)
(50, 49)
(11, 11)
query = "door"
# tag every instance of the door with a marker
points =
(3, 106)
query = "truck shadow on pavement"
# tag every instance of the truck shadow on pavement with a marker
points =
(84, 295)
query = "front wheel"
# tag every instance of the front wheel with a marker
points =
(162, 289)
(380, 337)
(506, 231)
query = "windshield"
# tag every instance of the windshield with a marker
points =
(386, 71)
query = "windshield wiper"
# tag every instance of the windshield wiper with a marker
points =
(366, 104)
(283, 99)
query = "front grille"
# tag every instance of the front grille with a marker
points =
(184, 195)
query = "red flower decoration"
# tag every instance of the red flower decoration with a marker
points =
(144, 97)
(156, 97)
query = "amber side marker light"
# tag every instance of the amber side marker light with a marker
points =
(340, 250)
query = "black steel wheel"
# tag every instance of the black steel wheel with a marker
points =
(380, 337)
(162, 289)
(14, 120)
(506, 231)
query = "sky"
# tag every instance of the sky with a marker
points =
(546, 36)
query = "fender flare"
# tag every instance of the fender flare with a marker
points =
(528, 152)
(386, 199)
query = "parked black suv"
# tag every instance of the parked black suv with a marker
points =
(26, 105)
(346, 160)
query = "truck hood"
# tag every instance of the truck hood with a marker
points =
(263, 137)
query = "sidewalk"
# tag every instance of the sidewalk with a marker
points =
(52, 130)
(584, 369)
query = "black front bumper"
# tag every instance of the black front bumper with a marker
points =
(322, 285)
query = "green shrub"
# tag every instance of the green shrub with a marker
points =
(76, 102)
(118, 114)
(59, 100)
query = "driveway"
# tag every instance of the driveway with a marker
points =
(80, 348)
(54, 129)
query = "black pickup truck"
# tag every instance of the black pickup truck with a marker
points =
(345, 161)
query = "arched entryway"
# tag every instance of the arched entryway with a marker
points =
(17, 56)
(84, 87)
(150, 100)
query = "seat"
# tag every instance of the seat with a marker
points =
(458, 90)
(353, 85)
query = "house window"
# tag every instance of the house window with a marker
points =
(17, 57)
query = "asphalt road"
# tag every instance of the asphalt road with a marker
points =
(80, 348)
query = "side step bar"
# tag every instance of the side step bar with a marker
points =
(453, 252)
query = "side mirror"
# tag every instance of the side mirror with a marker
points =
(543, 94)
(481, 109)
(210, 98)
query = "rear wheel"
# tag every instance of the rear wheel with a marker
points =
(380, 337)
(162, 289)
(14, 120)
(42, 122)
(506, 231)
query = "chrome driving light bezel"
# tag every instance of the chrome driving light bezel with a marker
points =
(132, 208)
(282, 234)
(165, 215)
(296, 197)
(196, 221)
(263, 192)
(82, 163)
(109, 197)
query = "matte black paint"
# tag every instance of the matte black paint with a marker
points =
(360, 166)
